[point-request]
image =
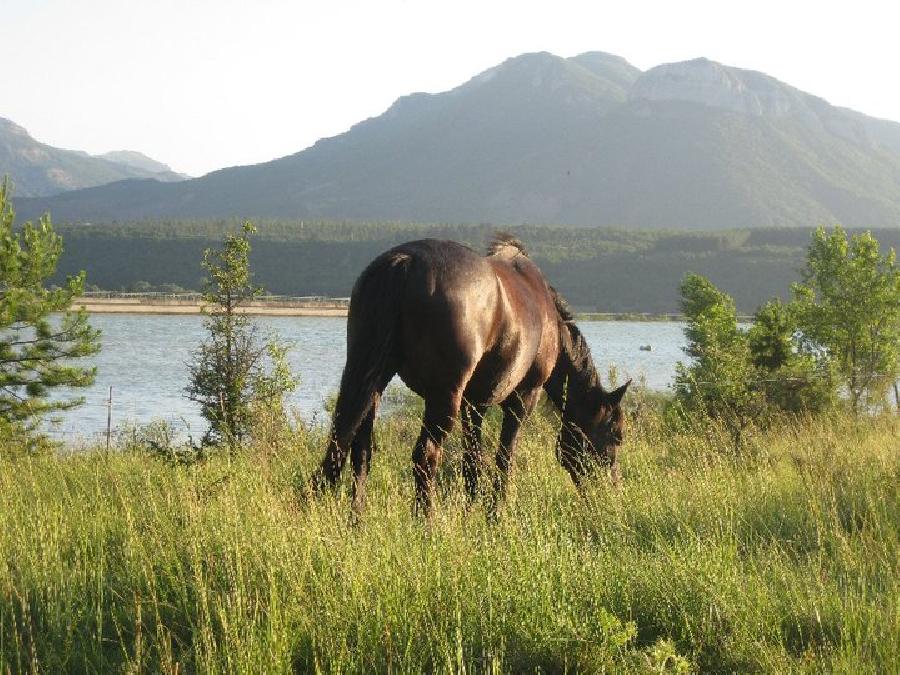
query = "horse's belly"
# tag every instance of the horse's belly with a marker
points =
(495, 378)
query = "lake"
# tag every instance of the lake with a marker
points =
(144, 358)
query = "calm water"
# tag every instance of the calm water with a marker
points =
(144, 359)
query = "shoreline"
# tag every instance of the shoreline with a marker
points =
(138, 304)
(119, 305)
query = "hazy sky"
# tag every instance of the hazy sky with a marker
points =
(202, 84)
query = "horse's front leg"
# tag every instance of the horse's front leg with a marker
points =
(515, 409)
(329, 472)
(472, 418)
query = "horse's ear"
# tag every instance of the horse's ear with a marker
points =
(614, 397)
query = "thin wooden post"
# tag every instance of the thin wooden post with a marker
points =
(108, 417)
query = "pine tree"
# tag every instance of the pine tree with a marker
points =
(38, 351)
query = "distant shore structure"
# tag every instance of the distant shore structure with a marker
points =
(192, 303)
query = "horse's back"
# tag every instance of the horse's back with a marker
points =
(464, 319)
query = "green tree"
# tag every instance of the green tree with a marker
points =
(849, 308)
(738, 377)
(792, 378)
(772, 336)
(37, 350)
(720, 382)
(235, 372)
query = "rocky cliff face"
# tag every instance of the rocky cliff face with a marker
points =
(710, 83)
(749, 92)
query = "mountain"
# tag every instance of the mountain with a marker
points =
(138, 160)
(588, 140)
(37, 169)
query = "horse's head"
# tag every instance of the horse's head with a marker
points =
(591, 432)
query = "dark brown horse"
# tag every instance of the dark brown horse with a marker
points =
(466, 331)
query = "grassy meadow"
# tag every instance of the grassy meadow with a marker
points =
(782, 559)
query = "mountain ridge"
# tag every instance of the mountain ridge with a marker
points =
(39, 170)
(139, 160)
(586, 140)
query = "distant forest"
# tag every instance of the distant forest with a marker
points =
(597, 270)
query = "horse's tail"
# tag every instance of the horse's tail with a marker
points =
(372, 327)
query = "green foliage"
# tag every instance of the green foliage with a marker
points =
(849, 306)
(785, 560)
(720, 382)
(793, 379)
(772, 336)
(141, 286)
(38, 351)
(844, 323)
(234, 372)
(161, 439)
(741, 377)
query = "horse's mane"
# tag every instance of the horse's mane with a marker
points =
(503, 240)
(576, 347)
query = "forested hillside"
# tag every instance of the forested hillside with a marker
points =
(602, 270)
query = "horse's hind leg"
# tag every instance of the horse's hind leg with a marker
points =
(361, 456)
(436, 425)
(472, 418)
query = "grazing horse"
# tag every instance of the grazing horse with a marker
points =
(466, 331)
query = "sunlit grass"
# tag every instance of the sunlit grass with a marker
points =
(783, 559)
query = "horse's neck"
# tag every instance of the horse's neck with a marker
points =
(556, 387)
(570, 379)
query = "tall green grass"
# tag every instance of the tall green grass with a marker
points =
(785, 558)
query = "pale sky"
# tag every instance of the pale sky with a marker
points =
(203, 84)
